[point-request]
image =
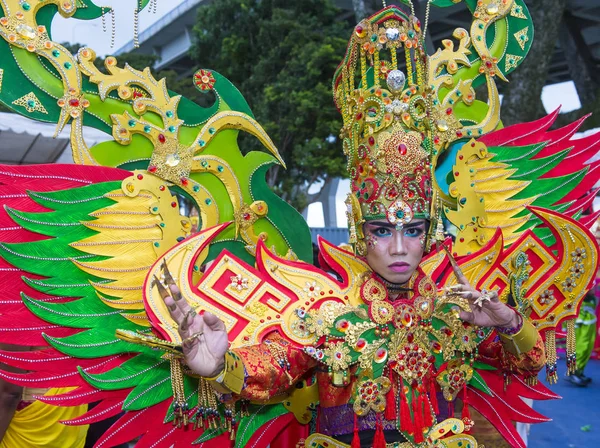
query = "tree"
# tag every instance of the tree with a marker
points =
(282, 56)
(522, 95)
(360, 11)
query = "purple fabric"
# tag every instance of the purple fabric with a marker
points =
(339, 420)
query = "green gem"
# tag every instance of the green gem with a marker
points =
(458, 93)
(400, 214)
(169, 114)
(171, 128)
(471, 170)
(480, 199)
(480, 131)
(411, 34)
(67, 65)
(436, 102)
(157, 244)
(162, 224)
(154, 209)
(478, 37)
(196, 268)
(472, 185)
(473, 219)
(204, 164)
(459, 443)
(147, 128)
(373, 37)
(220, 169)
(463, 201)
(201, 142)
(26, 6)
(208, 201)
(451, 101)
(196, 188)
(55, 53)
(212, 130)
(522, 37)
(469, 132)
(31, 103)
(131, 123)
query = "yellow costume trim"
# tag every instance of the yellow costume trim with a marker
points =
(38, 425)
(521, 342)
(231, 379)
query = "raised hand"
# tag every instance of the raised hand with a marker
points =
(204, 336)
(486, 308)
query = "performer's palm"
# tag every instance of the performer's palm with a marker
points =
(204, 335)
(484, 313)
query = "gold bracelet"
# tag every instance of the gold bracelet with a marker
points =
(521, 342)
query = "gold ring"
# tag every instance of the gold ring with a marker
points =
(192, 337)
(192, 313)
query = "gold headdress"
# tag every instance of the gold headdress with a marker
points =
(397, 124)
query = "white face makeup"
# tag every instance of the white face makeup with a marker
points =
(394, 253)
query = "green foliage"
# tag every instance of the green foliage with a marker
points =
(282, 56)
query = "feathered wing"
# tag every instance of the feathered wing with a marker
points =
(75, 260)
(194, 148)
(502, 175)
(78, 243)
(545, 282)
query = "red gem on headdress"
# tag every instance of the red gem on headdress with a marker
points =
(359, 116)
(436, 139)
(74, 102)
(449, 111)
(372, 141)
(162, 138)
(459, 133)
(402, 149)
(136, 94)
(184, 181)
(152, 169)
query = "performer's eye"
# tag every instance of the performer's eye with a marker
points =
(413, 232)
(381, 231)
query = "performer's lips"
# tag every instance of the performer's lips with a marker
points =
(399, 266)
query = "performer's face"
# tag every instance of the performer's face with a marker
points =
(395, 254)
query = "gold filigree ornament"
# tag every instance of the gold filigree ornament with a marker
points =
(439, 435)
(454, 378)
(381, 312)
(339, 356)
(413, 360)
(370, 395)
(373, 290)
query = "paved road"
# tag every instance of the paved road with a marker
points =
(580, 406)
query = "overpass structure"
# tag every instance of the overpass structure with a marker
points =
(171, 37)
